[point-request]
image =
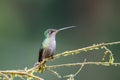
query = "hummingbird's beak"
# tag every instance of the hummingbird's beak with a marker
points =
(66, 28)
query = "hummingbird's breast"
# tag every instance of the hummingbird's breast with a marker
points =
(50, 44)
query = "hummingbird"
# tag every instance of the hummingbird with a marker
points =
(48, 45)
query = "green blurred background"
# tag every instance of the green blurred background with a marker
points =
(22, 23)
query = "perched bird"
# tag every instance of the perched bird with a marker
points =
(48, 45)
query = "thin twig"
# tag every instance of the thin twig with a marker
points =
(71, 76)
(85, 63)
(111, 43)
(111, 58)
(80, 68)
(55, 73)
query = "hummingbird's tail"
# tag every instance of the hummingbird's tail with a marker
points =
(40, 59)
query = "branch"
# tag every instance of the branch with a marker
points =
(20, 73)
(5, 76)
(29, 73)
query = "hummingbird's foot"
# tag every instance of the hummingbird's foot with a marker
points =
(42, 68)
(52, 57)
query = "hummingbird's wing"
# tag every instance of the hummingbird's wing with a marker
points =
(45, 53)
(41, 51)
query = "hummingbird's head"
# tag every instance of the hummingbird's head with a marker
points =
(50, 32)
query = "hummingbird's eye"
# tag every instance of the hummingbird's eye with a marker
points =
(50, 32)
